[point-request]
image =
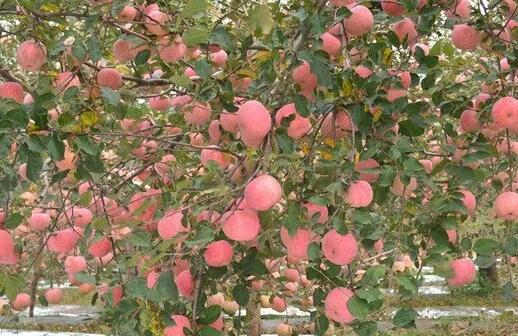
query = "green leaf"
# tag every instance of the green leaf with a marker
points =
(43, 301)
(366, 328)
(317, 24)
(34, 165)
(301, 105)
(407, 282)
(374, 274)
(117, 6)
(252, 265)
(165, 287)
(56, 149)
(209, 315)
(358, 307)
(93, 48)
(204, 234)
(110, 96)
(507, 292)
(428, 82)
(209, 331)
(407, 127)
(140, 238)
(142, 57)
(370, 295)
(485, 246)
(85, 145)
(79, 49)
(291, 220)
(93, 301)
(195, 35)
(319, 200)
(319, 66)
(393, 38)
(240, 294)
(93, 163)
(261, 19)
(415, 108)
(181, 80)
(18, 117)
(12, 285)
(321, 325)
(137, 288)
(35, 143)
(13, 220)
(285, 143)
(440, 166)
(441, 265)
(314, 251)
(203, 68)
(484, 261)
(223, 38)
(194, 7)
(405, 318)
(85, 278)
(511, 246)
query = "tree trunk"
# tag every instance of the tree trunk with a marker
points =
(491, 273)
(34, 287)
(253, 316)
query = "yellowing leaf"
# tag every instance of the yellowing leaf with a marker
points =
(263, 55)
(327, 155)
(330, 142)
(377, 113)
(123, 69)
(261, 19)
(194, 7)
(347, 88)
(49, 8)
(305, 149)
(74, 129)
(88, 119)
(387, 56)
(32, 128)
(246, 73)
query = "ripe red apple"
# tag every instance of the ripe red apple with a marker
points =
(218, 253)
(339, 249)
(110, 78)
(336, 307)
(31, 55)
(464, 272)
(359, 194)
(263, 192)
(54, 295)
(465, 37)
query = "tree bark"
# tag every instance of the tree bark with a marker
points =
(34, 287)
(253, 316)
(491, 273)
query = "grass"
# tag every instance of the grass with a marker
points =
(72, 296)
(94, 327)
(481, 293)
(503, 325)
(491, 300)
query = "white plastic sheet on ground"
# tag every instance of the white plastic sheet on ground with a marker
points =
(4, 332)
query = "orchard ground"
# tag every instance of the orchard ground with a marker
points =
(447, 314)
(217, 167)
